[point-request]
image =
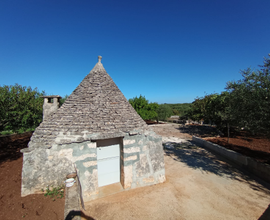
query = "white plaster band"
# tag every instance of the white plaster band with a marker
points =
(126, 142)
(132, 150)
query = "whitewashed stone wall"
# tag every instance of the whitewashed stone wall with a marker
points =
(142, 160)
(141, 164)
(43, 167)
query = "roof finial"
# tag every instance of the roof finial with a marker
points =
(99, 59)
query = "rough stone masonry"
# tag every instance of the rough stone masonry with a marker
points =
(95, 113)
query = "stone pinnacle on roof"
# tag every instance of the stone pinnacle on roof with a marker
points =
(99, 59)
(98, 66)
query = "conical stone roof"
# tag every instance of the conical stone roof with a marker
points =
(96, 106)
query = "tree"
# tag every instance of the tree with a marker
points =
(245, 104)
(250, 97)
(200, 108)
(62, 100)
(216, 108)
(180, 109)
(146, 110)
(164, 111)
(221, 110)
(20, 108)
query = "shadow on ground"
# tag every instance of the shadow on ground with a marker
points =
(266, 214)
(72, 215)
(199, 130)
(10, 146)
(199, 158)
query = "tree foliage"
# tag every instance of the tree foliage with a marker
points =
(200, 108)
(146, 110)
(250, 96)
(20, 108)
(164, 111)
(245, 104)
(150, 111)
(62, 100)
(180, 109)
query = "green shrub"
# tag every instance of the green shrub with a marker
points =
(54, 192)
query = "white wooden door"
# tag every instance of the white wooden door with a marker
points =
(108, 163)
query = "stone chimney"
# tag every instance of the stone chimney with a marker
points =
(50, 105)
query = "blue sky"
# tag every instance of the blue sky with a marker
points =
(167, 51)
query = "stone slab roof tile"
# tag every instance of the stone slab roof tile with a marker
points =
(96, 106)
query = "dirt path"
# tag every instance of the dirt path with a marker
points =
(184, 131)
(198, 186)
(170, 130)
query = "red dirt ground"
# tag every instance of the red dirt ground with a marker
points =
(255, 147)
(12, 205)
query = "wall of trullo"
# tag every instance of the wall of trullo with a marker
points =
(141, 164)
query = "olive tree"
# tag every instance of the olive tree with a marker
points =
(146, 110)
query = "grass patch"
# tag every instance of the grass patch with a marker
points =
(6, 132)
(54, 192)
(20, 131)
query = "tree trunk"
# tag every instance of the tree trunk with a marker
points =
(228, 126)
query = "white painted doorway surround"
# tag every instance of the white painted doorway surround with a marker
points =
(108, 162)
